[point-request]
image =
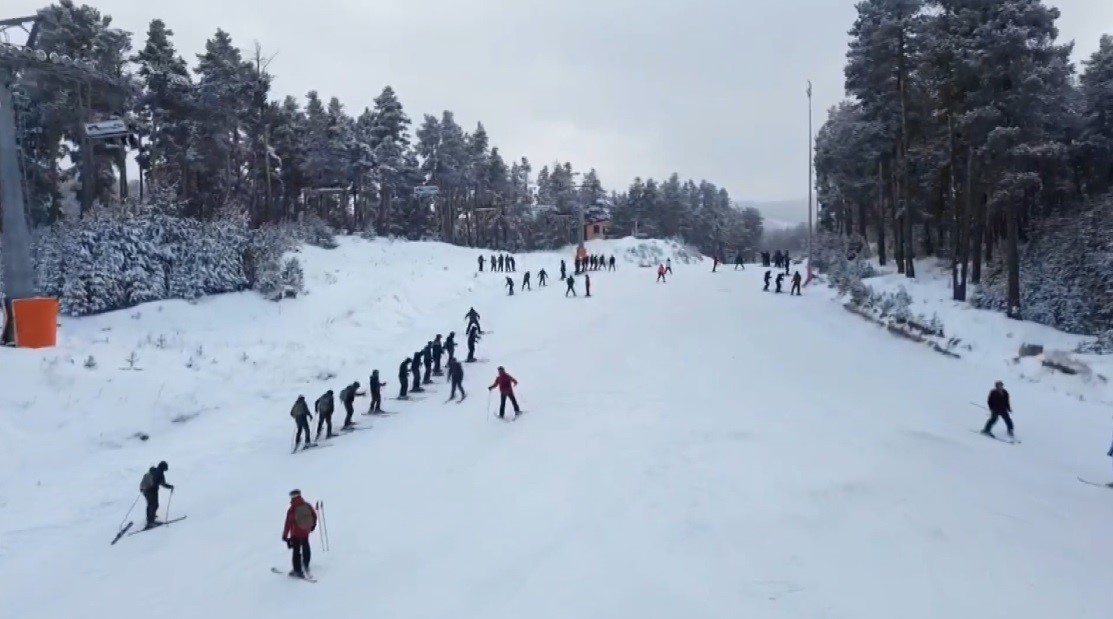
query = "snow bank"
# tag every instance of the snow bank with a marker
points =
(990, 337)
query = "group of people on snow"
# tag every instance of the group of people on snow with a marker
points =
(569, 279)
(594, 262)
(796, 280)
(778, 260)
(502, 262)
(739, 263)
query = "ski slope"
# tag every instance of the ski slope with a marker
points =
(690, 449)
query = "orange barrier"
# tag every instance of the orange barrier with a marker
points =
(36, 322)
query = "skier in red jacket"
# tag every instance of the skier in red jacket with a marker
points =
(301, 520)
(505, 383)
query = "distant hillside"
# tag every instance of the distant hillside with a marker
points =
(780, 213)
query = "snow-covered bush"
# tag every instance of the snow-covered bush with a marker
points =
(1103, 345)
(1066, 273)
(315, 231)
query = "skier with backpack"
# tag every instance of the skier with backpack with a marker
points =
(300, 413)
(403, 377)
(324, 405)
(347, 397)
(154, 479)
(415, 370)
(301, 521)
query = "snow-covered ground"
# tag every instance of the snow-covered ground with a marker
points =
(691, 449)
(993, 339)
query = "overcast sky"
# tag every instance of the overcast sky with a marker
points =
(711, 89)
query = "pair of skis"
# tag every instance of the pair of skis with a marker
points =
(128, 526)
(305, 577)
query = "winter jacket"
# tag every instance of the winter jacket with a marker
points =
(375, 384)
(427, 355)
(661, 270)
(404, 369)
(324, 404)
(505, 383)
(998, 402)
(348, 394)
(438, 349)
(153, 480)
(300, 409)
(301, 519)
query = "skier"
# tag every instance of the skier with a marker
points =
(502, 263)
(505, 383)
(576, 263)
(563, 270)
(525, 282)
(768, 275)
(415, 370)
(513, 264)
(404, 378)
(571, 281)
(438, 352)
(542, 277)
(427, 360)
(473, 337)
(999, 406)
(714, 263)
(668, 266)
(738, 262)
(300, 413)
(324, 406)
(375, 387)
(473, 318)
(347, 397)
(491, 264)
(301, 520)
(612, 262)
(795, 284)
(456, 376)
(777, 259)
(587, 285)
(481, 264)
(510, 285)
(788, 263)
(154, 479)
(661, 273)
(450, 345)
(780, 280)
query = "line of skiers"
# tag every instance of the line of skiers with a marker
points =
(421, 366)
(796, 280)
(779, 260)
(594, 262)
(502, 262)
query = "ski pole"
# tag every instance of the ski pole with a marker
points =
(133, 504)
(168, 499)
(323, 533)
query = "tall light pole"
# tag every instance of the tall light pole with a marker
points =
(810, 153)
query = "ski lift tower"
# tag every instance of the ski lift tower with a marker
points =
(17, 60)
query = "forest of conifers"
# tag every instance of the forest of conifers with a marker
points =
(969, 136)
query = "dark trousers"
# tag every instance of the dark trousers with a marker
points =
(570, 289)
(377, 401)
(526, 286)
(417, 379)
(502, 403)
(471, 352)
(436, 364)
(428, 371)
(795, 288)
(301, 554)
(456, 385)
(152, 505)
(348, 413)
(303, 426)
(323, 420)
(993, 420)
(766, 288)
(403, 382)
